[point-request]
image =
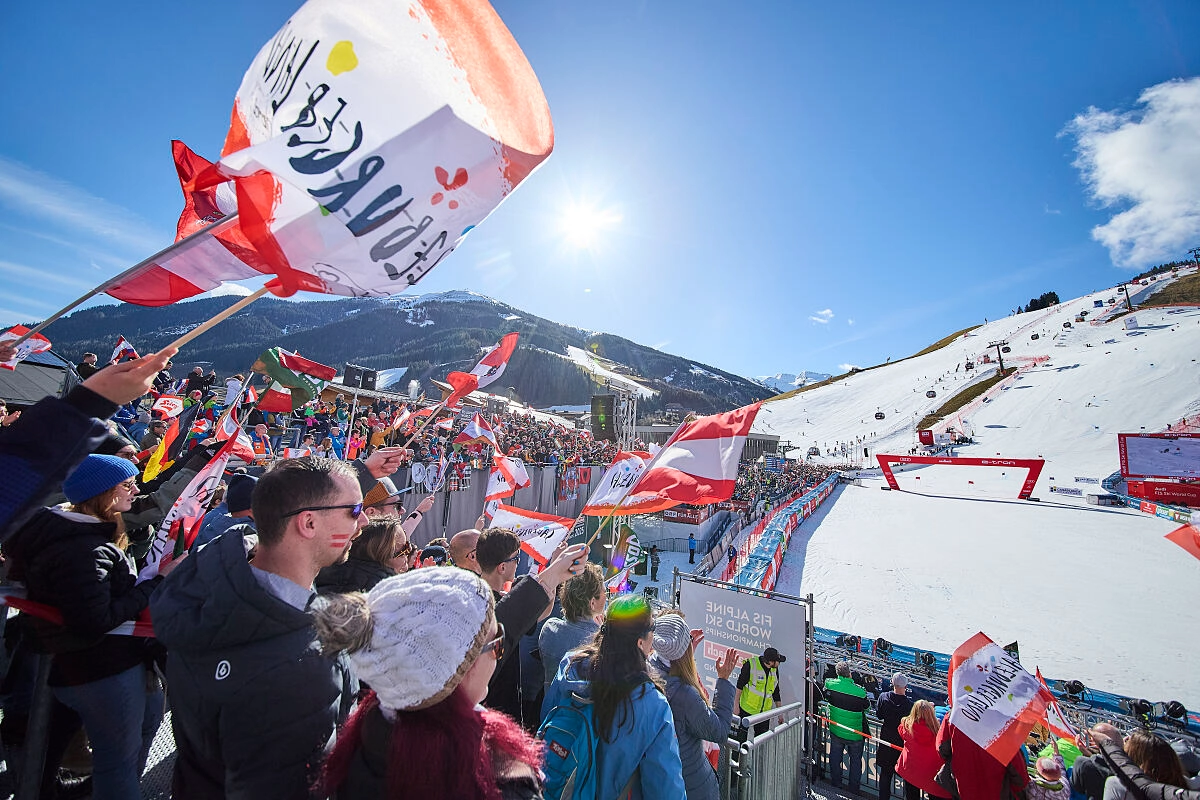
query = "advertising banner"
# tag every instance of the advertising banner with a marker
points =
(750, 624)
(691, 515)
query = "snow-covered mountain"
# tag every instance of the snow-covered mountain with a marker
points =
(786, 381)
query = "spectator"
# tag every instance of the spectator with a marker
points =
(1049, 781)
(848, 714)
(696, 721)
(691, 548)
(1154, 757)
(1126, 770)
(228, 622)
(163, 381)
(583, 599)
(920, 760)
(369, 561)
(731, 554)
(75, 561)
(197, 381)
(1091, 770)
(978, 774)
(891, 708)
(87, 366)
(236, 509)
(427, 642)
(758, 687)
(463, 551)
(636, 744)
(655, 561)
(260, 441)
(154, 437)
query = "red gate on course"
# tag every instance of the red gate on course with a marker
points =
(1034, 465)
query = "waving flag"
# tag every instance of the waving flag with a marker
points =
(400, 417)
(463, 383)
(491, 366)
(1055, 719)
(620, 476)
(228, 427)
(540, 534)
(364, 146)
(297, 452)
(178, 529)
(477, 430)
(158, 460)
(1188, 537)
(34, 344)
(507, 475)
(167, 405)
(618, 583)
(996, 702)
(697, 465)
(302, 377)
(123, 350)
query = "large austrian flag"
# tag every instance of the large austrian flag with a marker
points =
(477, 431)
(697, 465)
(621, 474)
(996, 702)
(540, 534)
(506, 477)
(491, 366)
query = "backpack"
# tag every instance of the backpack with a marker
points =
(569, 732)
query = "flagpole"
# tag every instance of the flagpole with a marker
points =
(428, 420)
(212, 322)
(349, 428)
(217, 227)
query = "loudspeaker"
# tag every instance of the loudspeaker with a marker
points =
(352, 376)
(603, 417)
(369, 376)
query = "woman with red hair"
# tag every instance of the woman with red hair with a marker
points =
(427, 642)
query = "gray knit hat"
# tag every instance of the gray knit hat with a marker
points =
(428, 628)
(672, 638)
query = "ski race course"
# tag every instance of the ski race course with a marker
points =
(1091, 593)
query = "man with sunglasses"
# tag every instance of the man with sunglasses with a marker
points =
(254, 700)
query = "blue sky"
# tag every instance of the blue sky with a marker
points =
(768, 186)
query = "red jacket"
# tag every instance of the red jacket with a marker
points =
(979, 775)
(920, 760)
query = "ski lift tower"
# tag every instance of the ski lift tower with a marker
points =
(999, 352)
(625, 412)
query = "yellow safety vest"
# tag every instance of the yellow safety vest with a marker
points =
(757, 694)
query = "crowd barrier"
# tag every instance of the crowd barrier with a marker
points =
(770, 766)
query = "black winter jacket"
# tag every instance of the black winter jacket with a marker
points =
(254, 702)
(518, 611)
(352, 575)
(68, 561)
(39, 450)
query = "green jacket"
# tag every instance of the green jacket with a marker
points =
(848, 706)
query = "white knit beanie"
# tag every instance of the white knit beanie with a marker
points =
(428, 627)
(671, 637)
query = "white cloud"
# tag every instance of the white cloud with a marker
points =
(849, 321)
(822, 317)
(61, 203)
(1048, 210)
(1147, 161)
(848, 367)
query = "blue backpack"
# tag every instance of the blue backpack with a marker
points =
(569, 732)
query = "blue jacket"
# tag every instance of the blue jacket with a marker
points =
(644, 741)
(695, 724)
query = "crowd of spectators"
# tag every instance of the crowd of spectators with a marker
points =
(758, 482)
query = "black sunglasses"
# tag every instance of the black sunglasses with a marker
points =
(496, 646)
(356, 509)
(406, 550)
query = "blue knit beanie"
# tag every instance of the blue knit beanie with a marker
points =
(96, 475)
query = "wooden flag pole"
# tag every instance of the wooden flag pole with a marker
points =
(205, 326)
(213, 229)
(437, 409)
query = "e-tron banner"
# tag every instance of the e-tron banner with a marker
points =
(1034, 465)
(748, 623)
(1159, 455)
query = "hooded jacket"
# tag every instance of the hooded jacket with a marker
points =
(643, 743)
(254, 702)
(695, 724)
(68, 561)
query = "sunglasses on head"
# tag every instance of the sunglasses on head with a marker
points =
(496, 646)
(356, 509)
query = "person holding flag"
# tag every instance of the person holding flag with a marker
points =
(75, 561)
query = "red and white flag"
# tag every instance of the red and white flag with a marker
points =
(178, 529)
(1055, 719)
(995, 701)
(540, 534)
(123, 350)
(697, 465)
(444, 424)
(400, 417)
(477, 430)
(297, 452)
(491, 366)
(507, 475)
(1187, 536)
(167, 405)
(365, 146)
(276, 398)
(618, 582)
(34, 344)
(620, 476)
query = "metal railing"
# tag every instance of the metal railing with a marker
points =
(766, 766)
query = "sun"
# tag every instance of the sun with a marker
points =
(584, 226)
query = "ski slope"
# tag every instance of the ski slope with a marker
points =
(1094, 594)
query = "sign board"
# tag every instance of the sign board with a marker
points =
(691, 515)
(1159, 455)
(750, 624)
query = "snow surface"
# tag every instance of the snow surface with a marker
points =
(585, 359)
(1091, 593)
